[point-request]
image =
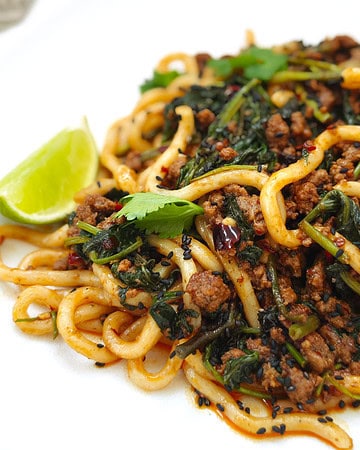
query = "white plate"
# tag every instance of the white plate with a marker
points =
(69, 59)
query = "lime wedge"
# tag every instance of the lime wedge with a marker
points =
(40, 190)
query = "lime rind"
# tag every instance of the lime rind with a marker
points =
(41, 189)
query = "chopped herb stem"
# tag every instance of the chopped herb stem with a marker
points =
(131, 248)
(87, 227)
(322, 240)
(235, 103)
(357, 171)
(294, 75)
(296, 354)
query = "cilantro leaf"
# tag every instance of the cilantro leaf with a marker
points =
(260, 63)
(225, 66)
(159, 79)
(164, 215)
(268, 63)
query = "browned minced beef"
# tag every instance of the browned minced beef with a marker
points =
(204, 118)
(317, 353)
(202, 59)
(335, 311)
(342, 345)
(173, 173)
(303, 385)
(291, 261)
(257, 345)
(306, 196)
(343, 167)
(305, 193)
(339, 47)
(316, 282)
(300, 130)
(213, 206)
(250, 206)
(277, 133)
(94, 209)
(208, 291)
(325, 96)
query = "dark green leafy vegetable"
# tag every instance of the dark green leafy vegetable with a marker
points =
(142, 276)
(344, 209)
(239, 370)
(247, 108)
(173, 322)
(108, 245)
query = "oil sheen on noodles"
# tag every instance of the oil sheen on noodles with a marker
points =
(257, 300)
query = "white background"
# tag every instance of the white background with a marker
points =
(75, 58)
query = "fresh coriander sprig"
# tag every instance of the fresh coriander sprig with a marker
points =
(164, 215)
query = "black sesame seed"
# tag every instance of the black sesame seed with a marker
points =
(247, 410)
(99, 364)
(322, 412)
(165, 263)
(322, 420)
(261, 430)
(341, 404)
(356, 403)
(172, 354)
(276, 429)
(339, 253)
(338, 377)
(100, 345)
(288, 410)
(240, 404)
(329, 419)
(220, 407)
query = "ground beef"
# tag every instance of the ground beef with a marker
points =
(305, 196)
(277, 134)
(213, 206)
(250, 206)
(342, 345)
(94, 209)
(204, 118)
(326, 96)
(173, 173)
(300, 130)
(287, 292)
(228, 153)
(257, 345)
(270, 380)
(343, 167)
(317, 353)
(316, 280)
(304, 386)
(291, 262)
(335, 312)
(258, 276)
(208, 291)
